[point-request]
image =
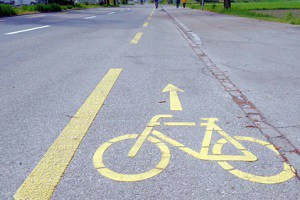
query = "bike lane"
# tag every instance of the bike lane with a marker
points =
(162, 57)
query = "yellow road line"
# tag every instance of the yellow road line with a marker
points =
(136, 38)
(179, 123)
(43, 180)
(145, 24)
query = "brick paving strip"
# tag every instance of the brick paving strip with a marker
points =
(287, 150)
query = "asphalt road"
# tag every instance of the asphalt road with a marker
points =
(58, 70)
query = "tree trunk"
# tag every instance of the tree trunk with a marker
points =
(227, 4)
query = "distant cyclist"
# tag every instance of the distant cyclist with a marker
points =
(156, 3)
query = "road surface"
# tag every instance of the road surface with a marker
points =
(201, 106)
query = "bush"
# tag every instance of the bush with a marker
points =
(61, 2)
(28, 8)
(78, 5)
(48, 8)
(6, 10)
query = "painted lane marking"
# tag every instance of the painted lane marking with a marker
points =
(102, 169)
(145, 24)
(43, 180)
(111, 13)
(1, 20)
(179, 123)
(35, 16)
(122, 10)
(89, 17)
(31, 29)
(174, 99)
(136, 38)
(149, 18)
(160, 140)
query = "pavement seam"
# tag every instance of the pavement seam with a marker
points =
(272, 134)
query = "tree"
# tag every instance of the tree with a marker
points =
(227, 4)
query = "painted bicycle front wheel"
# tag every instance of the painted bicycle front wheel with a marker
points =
(287, 171)
(108, 173)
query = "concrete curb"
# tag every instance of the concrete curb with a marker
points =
(191, 35)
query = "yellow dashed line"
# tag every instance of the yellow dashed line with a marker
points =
(145, 24)
(136, 38)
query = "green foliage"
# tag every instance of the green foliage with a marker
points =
(48, 8)
(79, 5)
(28, 8)
(60, 2)
(289, 16)
(6, 10)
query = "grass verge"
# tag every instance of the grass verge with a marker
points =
(248, 10)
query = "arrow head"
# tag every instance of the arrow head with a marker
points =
(171, 87)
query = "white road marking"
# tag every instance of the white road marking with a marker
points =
(35, 16)
(122, 10)
(31, 29)
(1, 20)
(89, 17)
(111, 13)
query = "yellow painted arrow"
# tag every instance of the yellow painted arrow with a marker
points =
(174, 99)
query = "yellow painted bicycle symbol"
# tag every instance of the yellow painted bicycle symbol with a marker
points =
(159, 139)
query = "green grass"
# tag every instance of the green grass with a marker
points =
(164, 2)
(247, 10)
(267, 5)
